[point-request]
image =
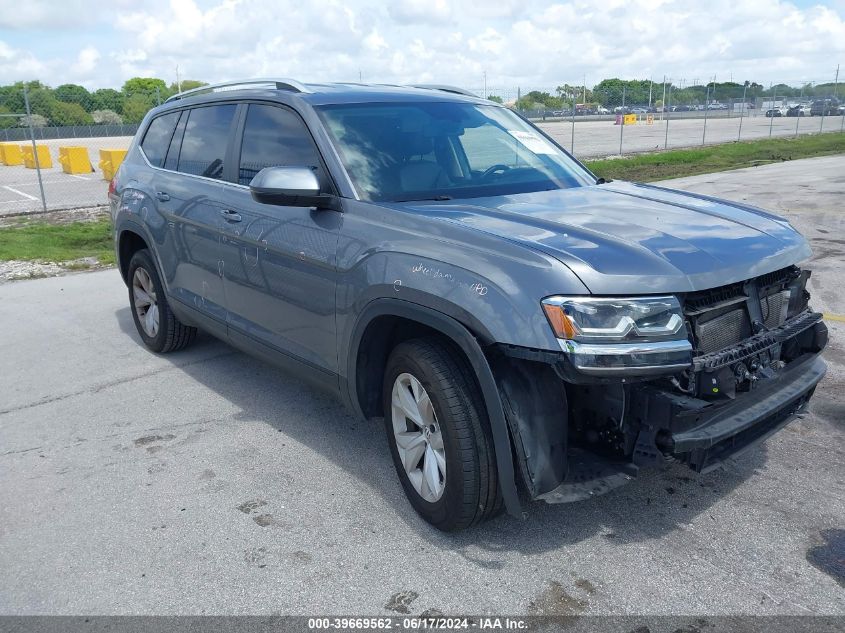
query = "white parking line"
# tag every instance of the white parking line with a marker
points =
(80, 177)
(20, 193)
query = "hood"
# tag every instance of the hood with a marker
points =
(624, 238)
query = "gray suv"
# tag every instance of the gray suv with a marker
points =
(525, 329)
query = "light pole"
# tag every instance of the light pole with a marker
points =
(742, 109)
(34, 148)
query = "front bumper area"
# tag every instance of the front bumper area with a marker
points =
(614, 429)
(703, 437)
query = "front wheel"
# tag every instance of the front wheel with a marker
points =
(439, 435)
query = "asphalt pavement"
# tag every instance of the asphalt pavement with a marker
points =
(207, 482)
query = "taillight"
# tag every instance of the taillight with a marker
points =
(112, 187)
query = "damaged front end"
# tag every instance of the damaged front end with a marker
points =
(697, 378)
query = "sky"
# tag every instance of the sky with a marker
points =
(527, 43)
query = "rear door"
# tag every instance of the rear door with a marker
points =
(189, 192)
(280, 274)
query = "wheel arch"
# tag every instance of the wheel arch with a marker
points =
(130, 239)
(387, 321)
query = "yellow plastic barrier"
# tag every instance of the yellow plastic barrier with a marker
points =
(630, 119)
(74, 160)
(11, 154)
(110, 160)
(44, 159)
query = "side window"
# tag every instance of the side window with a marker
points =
(157, 138)
(204, 141)
(172, 160)
(274, 137)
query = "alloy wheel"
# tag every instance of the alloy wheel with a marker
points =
(145, 303)
(419, 440)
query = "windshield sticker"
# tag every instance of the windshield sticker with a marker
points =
(533, 142)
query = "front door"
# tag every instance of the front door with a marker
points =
(280, 262)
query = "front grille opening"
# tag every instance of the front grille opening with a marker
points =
(774, 308)
(718, 318)
(723, 331)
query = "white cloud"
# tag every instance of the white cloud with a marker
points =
(421, 11)
(526, 43)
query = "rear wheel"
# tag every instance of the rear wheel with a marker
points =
(158, 327)
(439, 436)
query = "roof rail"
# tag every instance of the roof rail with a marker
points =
(280, 84)
(452, 89)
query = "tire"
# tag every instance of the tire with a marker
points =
(168, 334)
(460, 436)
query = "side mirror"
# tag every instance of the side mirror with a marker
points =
(290, 187)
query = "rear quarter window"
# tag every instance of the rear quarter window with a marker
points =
(157, 138)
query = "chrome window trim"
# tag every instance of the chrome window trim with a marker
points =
(236, 184)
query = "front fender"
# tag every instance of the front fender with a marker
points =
(464, 339)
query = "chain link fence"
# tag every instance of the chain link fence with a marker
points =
(616, 117)
(48, 168)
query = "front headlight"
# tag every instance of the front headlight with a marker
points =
(621, 336)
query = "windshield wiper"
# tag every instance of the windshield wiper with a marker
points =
(437, 198)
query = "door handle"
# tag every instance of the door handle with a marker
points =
(163, 196)
(230, 216)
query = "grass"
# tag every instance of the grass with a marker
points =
(42, 241)
(705, 160)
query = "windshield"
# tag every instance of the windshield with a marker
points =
(443, 150)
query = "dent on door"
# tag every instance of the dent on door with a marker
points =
(195, 226)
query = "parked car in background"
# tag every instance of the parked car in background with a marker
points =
(798, 110)
(775, 112)
(602, 110)
(443, 267)
(825, 107)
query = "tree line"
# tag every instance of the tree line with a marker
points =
(72, 104)
(609, 93)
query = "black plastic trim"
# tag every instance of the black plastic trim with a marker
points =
(462, 337)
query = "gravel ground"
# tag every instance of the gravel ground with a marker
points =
(207, 482)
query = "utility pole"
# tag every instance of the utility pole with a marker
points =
(742, 110)
(178, 80)
(668, 115)
(663, 101)
(650, 84)
(622, 124)
(485, 84)
(772, 108)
